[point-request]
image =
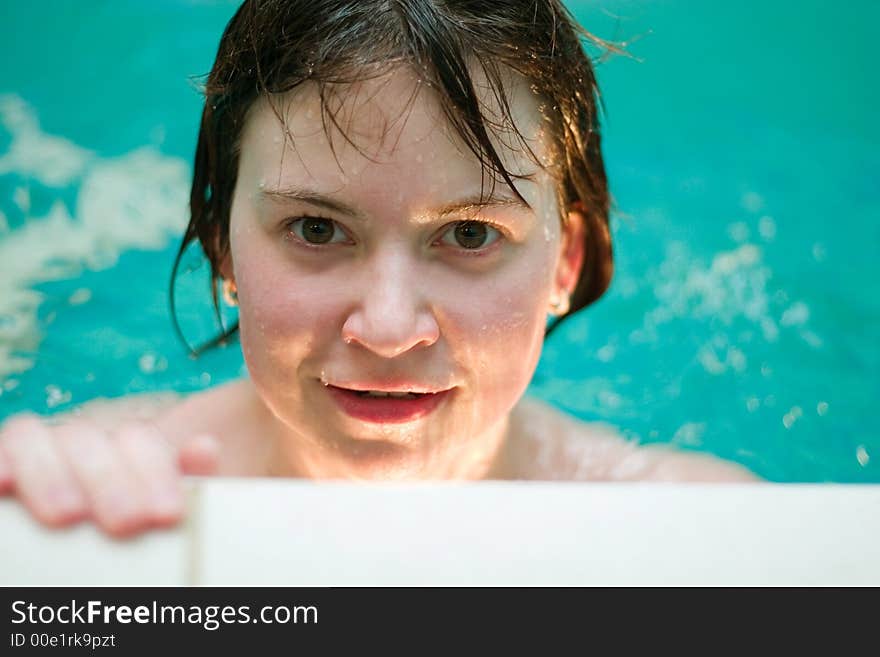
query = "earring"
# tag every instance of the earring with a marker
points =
(560, 305)
(230, 292)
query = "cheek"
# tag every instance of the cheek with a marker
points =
(282, 312)
(496, 330)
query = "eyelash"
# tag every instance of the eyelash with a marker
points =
(470, 253)
(289, 230)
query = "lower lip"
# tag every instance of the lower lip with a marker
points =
(387, 410)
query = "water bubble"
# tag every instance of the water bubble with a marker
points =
(690, 434)
(79, 296)
(606, 354)
(819, 252)
(610, 399)
(862, 455)
(22, 198)
(811, 339)
(151, 362)
(752, 201)
(792, 416)
(738, 232)
(822, 408)
(769, 329)
(737, 359)
(56, 396)
(205, 378)
(752, 404)
(767, 227)
(797, 313)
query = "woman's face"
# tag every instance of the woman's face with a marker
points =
(371, 264)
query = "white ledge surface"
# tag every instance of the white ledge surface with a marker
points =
(272, 532)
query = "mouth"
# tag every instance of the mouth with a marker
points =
(387, 406)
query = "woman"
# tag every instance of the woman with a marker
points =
(396, 195)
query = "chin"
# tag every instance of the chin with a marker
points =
(381, 460)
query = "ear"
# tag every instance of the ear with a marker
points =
(224, 258)
(571, 252)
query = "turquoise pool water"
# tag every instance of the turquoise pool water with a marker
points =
(742, 148)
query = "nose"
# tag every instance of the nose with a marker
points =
(392, 317)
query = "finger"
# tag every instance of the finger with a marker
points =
(41, 476)
(6, 480)
(199, 455)
(115, 493)
(147, 453)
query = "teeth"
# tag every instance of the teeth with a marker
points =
(396, 395)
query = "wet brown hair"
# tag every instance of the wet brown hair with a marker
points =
(270, 47)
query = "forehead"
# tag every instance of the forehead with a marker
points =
(391, 125)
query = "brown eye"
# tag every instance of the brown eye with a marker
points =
(316, 230)
(471, 234)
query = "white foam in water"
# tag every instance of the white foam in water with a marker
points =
(54, 161)
(733, 287)
(136, 201)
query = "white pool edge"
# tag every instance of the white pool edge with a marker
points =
(273, 532)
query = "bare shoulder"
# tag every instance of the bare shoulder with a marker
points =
(551, 445)
(212, 411)
(111, 412)
(221, 411)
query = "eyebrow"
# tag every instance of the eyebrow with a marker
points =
(325, 202)
(312, 198)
